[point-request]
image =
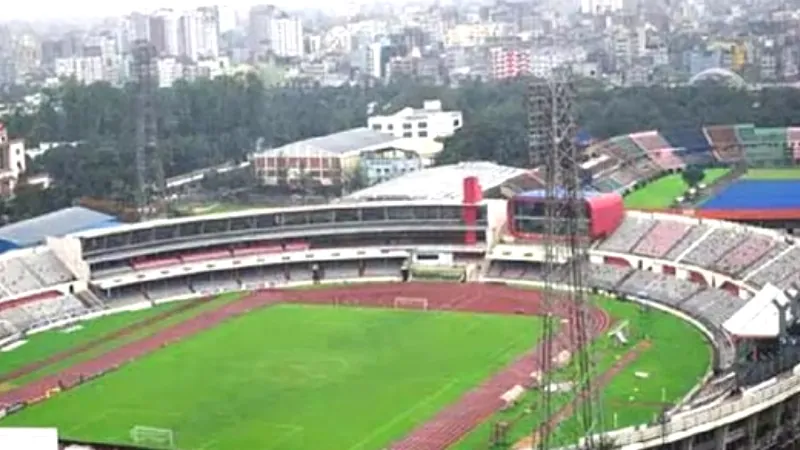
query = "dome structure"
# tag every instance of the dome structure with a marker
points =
(719, 75)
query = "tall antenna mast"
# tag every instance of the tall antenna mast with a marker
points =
(552, 145)
(146, 82)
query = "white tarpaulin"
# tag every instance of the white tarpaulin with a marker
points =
(759, 318)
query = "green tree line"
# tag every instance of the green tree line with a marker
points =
(208, 122)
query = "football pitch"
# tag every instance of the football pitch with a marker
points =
(293, 376)
(660, 194)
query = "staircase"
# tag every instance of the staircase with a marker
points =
(90, 300)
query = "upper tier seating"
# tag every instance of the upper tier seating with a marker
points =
(627, 235)
(725, 143)
(661, 238)
(793, 140)
(686, 138)
(697, 232)
(781, 271)
(629, 150)
(658, 149)
(776, 250)
(744, 254)
(31, 271)
(714, 246)
(663, 288)
(47, 268)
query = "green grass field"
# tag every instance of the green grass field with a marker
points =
(772, 174)
(678, 358)
(42, 345)
(294, 377)
(661, 193)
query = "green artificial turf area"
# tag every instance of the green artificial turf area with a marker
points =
(42, 345)
(678, 358)
(294, 377)
(772, 174)
(662, 193)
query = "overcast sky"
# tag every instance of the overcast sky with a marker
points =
(73, 9)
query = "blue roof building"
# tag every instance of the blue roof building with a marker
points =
(31, 232)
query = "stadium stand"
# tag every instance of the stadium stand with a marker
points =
(714, 246)
(692, 139)
(781, 271)
(37, 310)
(628, 235)
(658, 149)
(744, 254)
(688, 240)
(713, 305)
(662, 237)
(627, 148)
(655, 286)
(606, 276)
(793, 141)
(725, 143)
(762, 145)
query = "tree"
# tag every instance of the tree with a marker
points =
(693, 175)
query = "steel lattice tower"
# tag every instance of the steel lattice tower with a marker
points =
(145, 76)
(552, 146)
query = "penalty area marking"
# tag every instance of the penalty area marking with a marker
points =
(403, 415)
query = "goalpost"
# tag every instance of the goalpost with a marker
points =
(163, 438)
(411, 303)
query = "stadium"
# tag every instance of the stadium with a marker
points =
(411, 309)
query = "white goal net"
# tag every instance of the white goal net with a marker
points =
(153, 437)
(411, 303)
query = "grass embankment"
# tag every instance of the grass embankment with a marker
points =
(294, 377)
(660, 194)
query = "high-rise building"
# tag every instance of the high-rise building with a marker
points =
(287, 37)
(164, 32)
(189, 35)
(208, 32)
(260, 29)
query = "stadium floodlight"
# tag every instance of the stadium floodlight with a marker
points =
(152, 437)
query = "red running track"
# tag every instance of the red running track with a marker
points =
(446, 427)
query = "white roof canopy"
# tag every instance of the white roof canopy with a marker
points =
(759, 317)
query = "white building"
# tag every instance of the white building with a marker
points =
(169, 71)
(287, 37)
(85, 69)
(189, 35)
(165, 31)
(429, 122)
(208, 32)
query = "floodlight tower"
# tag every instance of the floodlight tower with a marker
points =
(145, 76)
(552, 146)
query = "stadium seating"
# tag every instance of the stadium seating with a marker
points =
(781, 271)
(763, 145)
(697, 232)
(624, 177)
(629, 150)
(627, 235)
(606, 276)
(659, 287)
(658, 149)
(744, 254)
(714, 305)
(39, 310)
(715, 246)
(692, 139)
(661, 238)
(793, 140)
(725, 143)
